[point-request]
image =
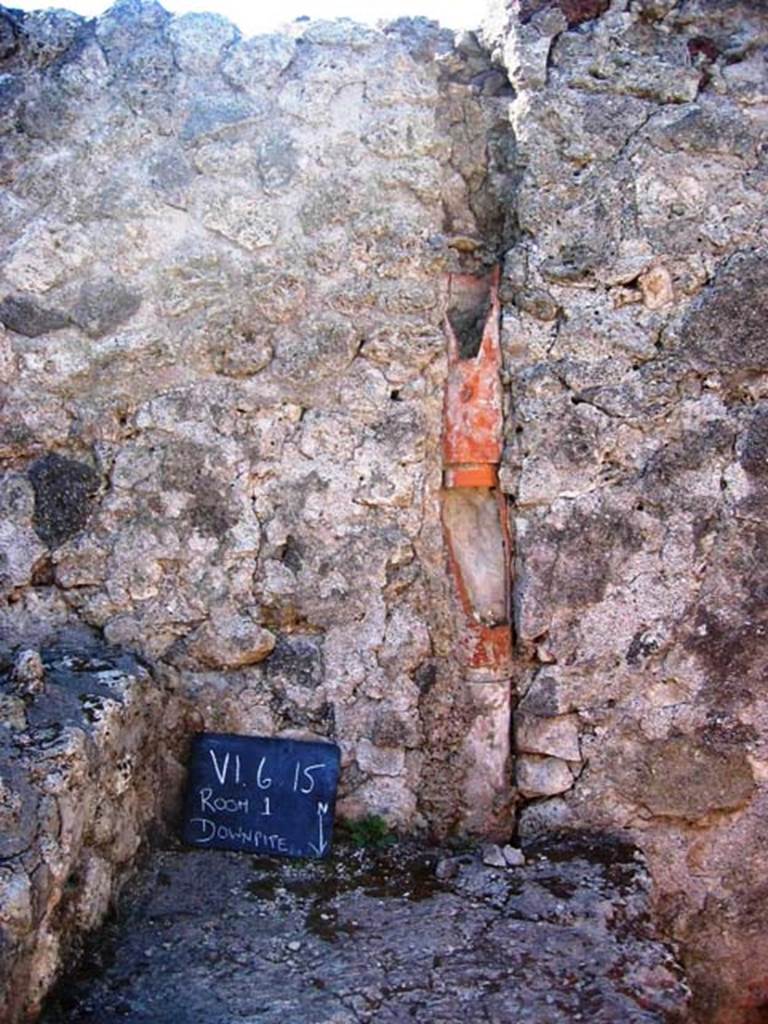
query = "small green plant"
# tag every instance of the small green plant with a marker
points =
(371, 831)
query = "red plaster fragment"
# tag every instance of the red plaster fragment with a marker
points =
(490, 647)
(575, 11)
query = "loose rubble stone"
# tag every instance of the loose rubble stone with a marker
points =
(513, 857)
(493, 856)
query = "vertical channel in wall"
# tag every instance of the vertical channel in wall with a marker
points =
(477, 540)
(468, 784)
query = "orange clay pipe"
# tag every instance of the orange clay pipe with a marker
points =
(472, 445)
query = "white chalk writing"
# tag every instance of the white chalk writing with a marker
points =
(322, 845)
(225, 805)
(221, 770)
(309, 785)
(260, 802)
(261, 782)
(209, 831)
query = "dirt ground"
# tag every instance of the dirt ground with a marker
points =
(392, 934)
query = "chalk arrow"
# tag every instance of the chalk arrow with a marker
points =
(322, 845)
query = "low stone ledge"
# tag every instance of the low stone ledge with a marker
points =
(84, 770)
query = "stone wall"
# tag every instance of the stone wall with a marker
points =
(223, 275)
(225, 272)
(636, 345)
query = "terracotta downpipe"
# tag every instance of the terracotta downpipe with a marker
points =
(472, 446)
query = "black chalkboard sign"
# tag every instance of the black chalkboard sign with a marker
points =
(261, 795)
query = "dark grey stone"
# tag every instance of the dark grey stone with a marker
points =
(491, 82)
(575, 263)
(26, 316)
(591, 544)
(702, 774)
(47, 117)
(297, 660)
(210, 115)
(19, 816)
(51, 34)
(707, 129)
(210, 513)
(104, 305)
(128, 25)
(753, 453)
(541, 698)
(422, 37)
(538, 303)
(388, 729)
(64, 491)
(725, 328)
(9, 34)
(148, 67)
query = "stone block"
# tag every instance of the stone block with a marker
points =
(230, 640)
(104, 305)
(542, 776)
(380, 760)
(558, 736)
(200, 40)
(686, 777)
(64, 492)
(26, 316)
